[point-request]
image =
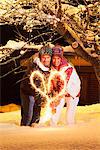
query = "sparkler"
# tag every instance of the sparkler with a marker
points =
(46, 90)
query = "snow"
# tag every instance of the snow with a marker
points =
(84, 135)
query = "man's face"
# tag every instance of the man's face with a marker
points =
(45, 60)
(56, 61)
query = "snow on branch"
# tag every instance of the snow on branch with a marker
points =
(83, 19)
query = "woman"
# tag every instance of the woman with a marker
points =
(72, 91)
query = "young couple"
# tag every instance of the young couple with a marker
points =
(31, 99)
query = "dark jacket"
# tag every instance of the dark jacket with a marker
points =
(26, 89)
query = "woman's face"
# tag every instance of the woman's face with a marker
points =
(56, 61)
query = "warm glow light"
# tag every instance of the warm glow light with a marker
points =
(53, 74)
(38, 74)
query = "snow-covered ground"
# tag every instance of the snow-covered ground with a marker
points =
(84, 135)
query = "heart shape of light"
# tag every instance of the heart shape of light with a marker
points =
(53, 73)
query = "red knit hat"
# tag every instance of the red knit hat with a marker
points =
(57, 50)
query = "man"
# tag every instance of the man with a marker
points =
(31, 99)
(73, 86)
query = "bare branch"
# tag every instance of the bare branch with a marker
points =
(10, 72)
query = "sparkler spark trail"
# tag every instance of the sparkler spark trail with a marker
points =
(53, 74)
(37, 73)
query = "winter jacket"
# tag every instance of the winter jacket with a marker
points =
(72, 79)
(26, 89)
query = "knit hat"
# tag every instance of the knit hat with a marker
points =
(57, 50)
(45, 50)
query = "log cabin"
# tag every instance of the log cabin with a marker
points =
(10, 83)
